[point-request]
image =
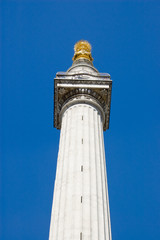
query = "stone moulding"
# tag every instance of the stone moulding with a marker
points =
(65, 89)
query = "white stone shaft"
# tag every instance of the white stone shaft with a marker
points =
(80, 208)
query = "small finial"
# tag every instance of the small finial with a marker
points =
(82, 49)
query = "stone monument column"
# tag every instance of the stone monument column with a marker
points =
(82, 98)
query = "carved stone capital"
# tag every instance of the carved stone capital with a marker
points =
(95, 88)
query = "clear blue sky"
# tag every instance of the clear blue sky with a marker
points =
(37, 39)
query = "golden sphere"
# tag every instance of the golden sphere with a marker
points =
(82, 44)
(82, 49)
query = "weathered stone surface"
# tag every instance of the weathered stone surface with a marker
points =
(80, 208)
(80, 203)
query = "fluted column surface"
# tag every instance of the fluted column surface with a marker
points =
(80, 208)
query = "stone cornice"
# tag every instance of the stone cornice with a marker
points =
(69, 86)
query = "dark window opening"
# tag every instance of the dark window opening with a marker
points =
(81, 236)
